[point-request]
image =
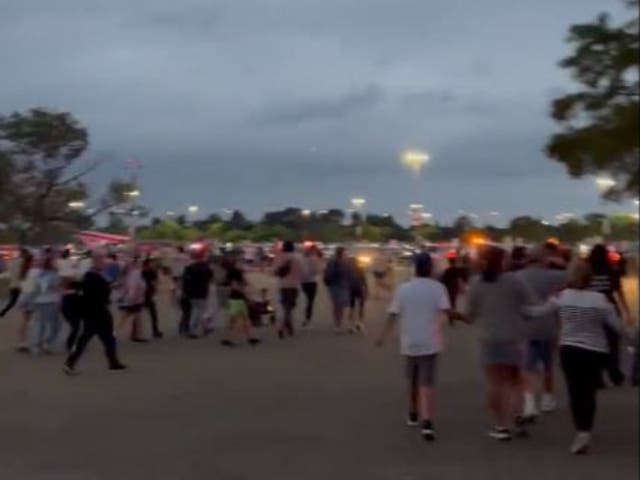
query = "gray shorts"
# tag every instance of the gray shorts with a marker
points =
(503, 353)
(421, 370)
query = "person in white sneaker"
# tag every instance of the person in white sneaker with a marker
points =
(583, 346)
(542, 336)
(420, 305)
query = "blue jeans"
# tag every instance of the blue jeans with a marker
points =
(198, 307)
(46, 325)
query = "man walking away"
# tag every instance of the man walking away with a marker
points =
(420, 305)
(195, 288)
(288, 269)
(542, 335)
(97, 319)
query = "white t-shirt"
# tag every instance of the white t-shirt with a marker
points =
(419, 303)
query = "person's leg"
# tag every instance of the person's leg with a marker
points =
(88, 331)
(195, 323)
(613, 358)
(361, 303)
(136, 328)
(53, 325)
(74, 330)
(531, 380)
(39, 329)
(23, 328)
(411, 372)
(495, 396)
(105, 332)
(548, 402)
(185, 315)
(306, 290)
(426, 389)
(312, 293)
(514, 398)
(14, 294)
(570, 359)
(150, 305)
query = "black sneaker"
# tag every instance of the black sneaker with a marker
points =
(427, 431)
(139, 340)
(117, 366)
(158, 334)
(227, 343)
(254, 341)
(500, 433)
(412, 419)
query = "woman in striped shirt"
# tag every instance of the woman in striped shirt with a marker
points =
(583, 314)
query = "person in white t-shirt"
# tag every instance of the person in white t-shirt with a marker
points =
(421, 306)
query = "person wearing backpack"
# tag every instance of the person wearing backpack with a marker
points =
(288, 270)
(46, 304)
(336, 279)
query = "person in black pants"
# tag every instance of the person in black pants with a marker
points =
(72, 312)
(97, 319)
(150, 277)
(18, 269)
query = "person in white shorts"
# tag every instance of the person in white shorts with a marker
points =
(421, 306)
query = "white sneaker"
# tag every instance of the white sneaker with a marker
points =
(548, 404)
(581, 443)
(530, 410)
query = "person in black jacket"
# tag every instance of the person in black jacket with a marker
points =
(97, 320)
(196, 280)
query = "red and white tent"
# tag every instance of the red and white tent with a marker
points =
(93, 239)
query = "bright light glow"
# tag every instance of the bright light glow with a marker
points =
(76, 204)
(306, 212)
(364, 260)
(637, 202)
(604, 183)
(478, 240)
(170, 213)
(193, 208)
(414, 160)
(416, 206)
(553, 241)
(427, 215)
(196, 246)
(358, 202)
(134, 193)
(635, 216)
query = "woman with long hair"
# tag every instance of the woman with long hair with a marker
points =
(583, 315)
(606, 280)
(495, 302)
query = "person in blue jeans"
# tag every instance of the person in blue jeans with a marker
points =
(46, 304)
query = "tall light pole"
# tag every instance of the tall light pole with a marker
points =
(192, 210)
(359, 204)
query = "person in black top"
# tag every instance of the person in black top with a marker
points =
(606, 280)
(358, 293)
(519, 257)
(150, 277)
(196, 279)
(237, 306)
(97, 320)
(453, 279)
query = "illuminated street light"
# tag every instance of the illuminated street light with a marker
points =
(604, 183)
(414, 160)
(306, 212)
(133, 193)
(76, 205)
(193, 209)
(358, 202)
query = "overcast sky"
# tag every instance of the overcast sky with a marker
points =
(261, 104)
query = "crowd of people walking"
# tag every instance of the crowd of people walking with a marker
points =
(531, 307)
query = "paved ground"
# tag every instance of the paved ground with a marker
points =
(321, 406)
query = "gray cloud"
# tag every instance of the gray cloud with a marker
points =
(192, 87)
(335, 108)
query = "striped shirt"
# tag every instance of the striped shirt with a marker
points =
(583, 315)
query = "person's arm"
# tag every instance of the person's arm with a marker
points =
(389, 325)
(620, 298)
(540, 310)
(392, 319)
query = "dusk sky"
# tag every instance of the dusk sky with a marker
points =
(262, 104)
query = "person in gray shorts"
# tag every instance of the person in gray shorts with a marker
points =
(495, 302)
(420, 306)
